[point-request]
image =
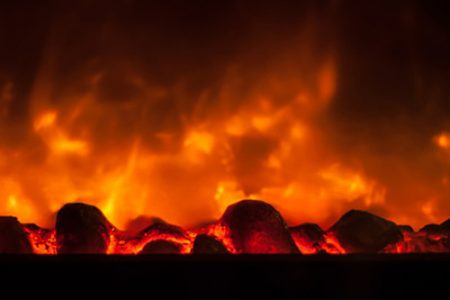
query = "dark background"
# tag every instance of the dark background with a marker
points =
(233, 277)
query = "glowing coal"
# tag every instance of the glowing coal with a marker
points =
(82, 228)
(247, 227)
(205, 244)
(13, 238)
(256, 227)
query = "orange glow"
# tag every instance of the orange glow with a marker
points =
(200, 141)
(64, 145)
(42, 242)
(187, 174)
(227, 193)
(429, 210)
(120, 244)
(420, 242)
(443, 140)
(45, 120)
(327, 82)
(135, 143)
(221, 233)
(130, 160)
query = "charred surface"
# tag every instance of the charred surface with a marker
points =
(161, 247)
(256, 227)
(362, 232)
(205, 244)
(81, 228)
(13, 238)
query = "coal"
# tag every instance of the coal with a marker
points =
(308, 234)
(439, 229)
(205, 244)
(13, 238)
(161, 228)
(446, 225)
(33, 227)
(161, 247)
(405, 228)
(309, 231)
(445, 228)
(431, 229)
(81, 228)
(256, 227)
(362, 232)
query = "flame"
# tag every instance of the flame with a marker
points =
(443, 140)
(193, 173)
(327, 82)
(182, 137)
(45, 120)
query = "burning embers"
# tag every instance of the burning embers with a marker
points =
(247, 227)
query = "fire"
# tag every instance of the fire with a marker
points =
(46, 120)
(429, 209)
(327, 82)
(352, 186)
(227, 193)
(250, 226)
(141, 129)
(443, 140)
(420, 242)
(252, 152)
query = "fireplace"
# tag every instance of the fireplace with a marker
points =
(211, 131)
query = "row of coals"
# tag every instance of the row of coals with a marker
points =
(249, 226)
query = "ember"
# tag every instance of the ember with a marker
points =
(248, 226)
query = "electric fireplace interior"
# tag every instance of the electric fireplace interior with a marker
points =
(226, 149)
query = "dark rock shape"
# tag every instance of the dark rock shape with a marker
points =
(438, 229)
(33, 227)
(446, 226)
(138, 224)
(13, 238)
(309, 231)
(362, 232)
(160, 227)
(205, 244)
(431, 229)
(161, 247)
(256, 227)
(81, 228)
(405, 228)
(309, 235)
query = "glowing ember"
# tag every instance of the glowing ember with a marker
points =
(262, 238)
(443, 140)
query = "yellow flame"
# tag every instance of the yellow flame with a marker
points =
(227, 193)
(61, 144)
(429, 209)
(12, 202)
(443, 140)
(200, 141)
(45, 120)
